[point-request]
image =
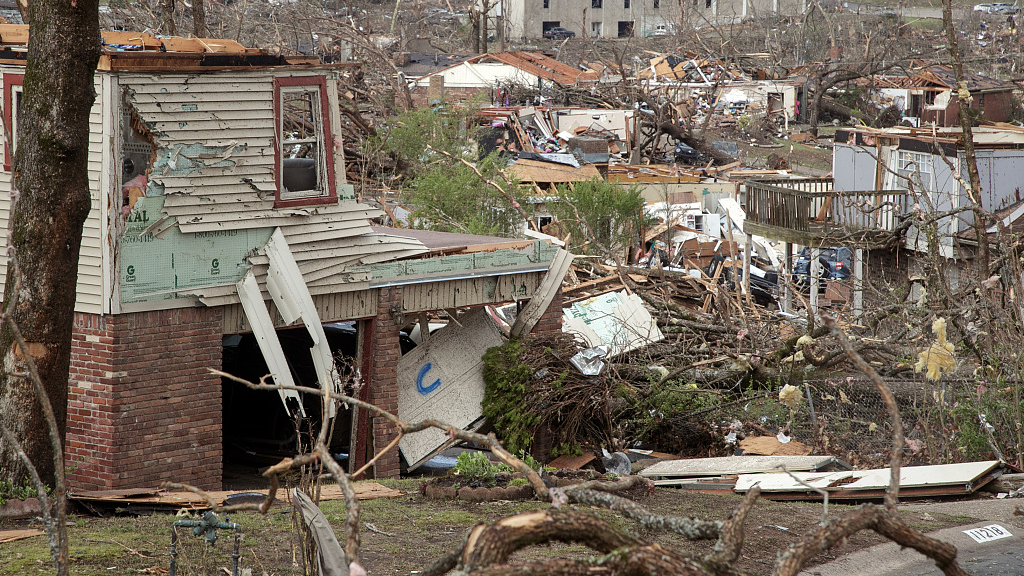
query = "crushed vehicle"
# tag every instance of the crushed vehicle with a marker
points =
(834, 262)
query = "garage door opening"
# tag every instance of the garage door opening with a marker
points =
(258, 430)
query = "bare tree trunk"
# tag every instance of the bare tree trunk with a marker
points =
(53, 200)
(815, 105)
(964, 101)
(483, 29)
(199, 18)
(475, 16)
(167, 16)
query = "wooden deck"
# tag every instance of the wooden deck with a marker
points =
(811, 213)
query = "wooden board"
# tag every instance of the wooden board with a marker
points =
(572, 462)
(20, 534)
(770, 446)
(364, 491)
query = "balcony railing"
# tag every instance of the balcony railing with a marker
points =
(811, 208)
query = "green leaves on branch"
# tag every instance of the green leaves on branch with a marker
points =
(600, 215)
(444, 193)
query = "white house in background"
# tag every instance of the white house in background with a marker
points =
(625, 18)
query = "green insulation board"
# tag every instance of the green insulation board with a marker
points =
(164, 268)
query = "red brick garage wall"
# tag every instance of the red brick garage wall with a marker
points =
(383, 380)
(142, 406)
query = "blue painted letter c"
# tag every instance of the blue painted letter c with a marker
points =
(424, 390)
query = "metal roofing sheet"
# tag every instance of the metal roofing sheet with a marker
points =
(876, 479)
(728, 465)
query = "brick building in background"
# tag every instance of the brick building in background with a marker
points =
(220, 208)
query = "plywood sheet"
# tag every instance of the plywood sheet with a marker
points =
(443, 380)
(543, 172)
(770, 446)
(20, 534)
(564, 462)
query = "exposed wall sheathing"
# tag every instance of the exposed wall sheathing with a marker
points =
(215, 168)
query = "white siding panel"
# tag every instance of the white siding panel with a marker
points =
(90, 289)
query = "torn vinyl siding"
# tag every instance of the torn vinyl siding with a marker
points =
(213, 165)
(90, 284)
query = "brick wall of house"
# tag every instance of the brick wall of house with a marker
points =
(142, 406)
(383, 381)
(551, 321)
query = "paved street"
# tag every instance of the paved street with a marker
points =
(1000, 557)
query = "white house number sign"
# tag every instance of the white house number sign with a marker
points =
(988, 533)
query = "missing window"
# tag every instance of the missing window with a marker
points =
(305, 167)
(12, 104)
(596, 3)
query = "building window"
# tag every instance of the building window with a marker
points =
(625, 29)
(12, 103)
(596, 3)
(547, 4)
(625, 4)
(304, 155)
(929, 97)
(657, 3)
(915, 168)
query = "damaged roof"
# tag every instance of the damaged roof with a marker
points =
(534, 63)
(145, 51)
(943, 77)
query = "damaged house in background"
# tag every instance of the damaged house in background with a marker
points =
(220, 212)
(883, 178)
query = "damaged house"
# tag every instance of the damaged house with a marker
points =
(493, 74)
(220, 211)
(929, 96)
(881, 178)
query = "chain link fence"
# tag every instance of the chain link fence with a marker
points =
(944, 422)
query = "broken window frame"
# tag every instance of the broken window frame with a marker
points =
(12, 98)
(326, 189)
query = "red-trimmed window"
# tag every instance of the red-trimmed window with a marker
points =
(12, 103)
(303, 142)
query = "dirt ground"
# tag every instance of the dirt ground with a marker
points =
(402, 535)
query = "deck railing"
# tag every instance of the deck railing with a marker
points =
(812, 206)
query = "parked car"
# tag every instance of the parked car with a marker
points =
(834, 265)
(1001, 8)
(558, 33)
(684, 153)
